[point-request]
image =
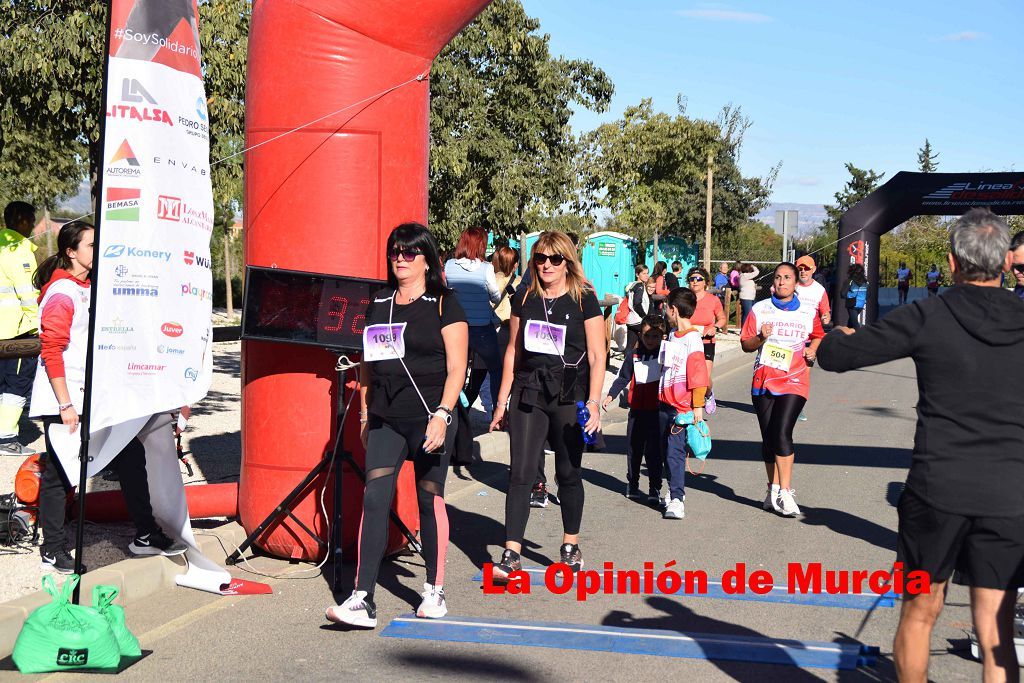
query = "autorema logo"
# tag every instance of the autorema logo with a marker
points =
(191, 374)
(129, 168)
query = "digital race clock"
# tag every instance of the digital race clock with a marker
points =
(294, 307)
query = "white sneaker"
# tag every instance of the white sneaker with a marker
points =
(674, 509)
(786, 501)
(355, 611)
(433, 605)
(770, 496)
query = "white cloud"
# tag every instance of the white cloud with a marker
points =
(718, 13)
(963, 36)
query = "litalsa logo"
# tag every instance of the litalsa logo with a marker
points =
(133, 92)
(980, 191)
(188, 289)
(72, 657)
(172, 329)
(136, 291)
(117, 326)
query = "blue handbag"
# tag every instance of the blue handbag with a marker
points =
(698, 439)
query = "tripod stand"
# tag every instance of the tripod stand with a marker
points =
(337, 455)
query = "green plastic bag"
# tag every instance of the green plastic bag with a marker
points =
(103, 601)
(61, 636)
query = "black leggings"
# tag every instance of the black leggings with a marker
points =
(54, 486)
(389, 443)
(529, 426)
(777, 416)
(643, 441)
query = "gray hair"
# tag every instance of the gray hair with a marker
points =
(978, 242)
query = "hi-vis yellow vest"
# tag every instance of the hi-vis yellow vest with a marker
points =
(19, 305)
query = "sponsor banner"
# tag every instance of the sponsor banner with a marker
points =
(152, 347)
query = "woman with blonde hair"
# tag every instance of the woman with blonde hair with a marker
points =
(555, 358)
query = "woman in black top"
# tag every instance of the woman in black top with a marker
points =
(557, 336)
(415, 345)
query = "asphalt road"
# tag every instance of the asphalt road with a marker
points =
(852, 455)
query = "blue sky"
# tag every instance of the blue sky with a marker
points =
(823, 82)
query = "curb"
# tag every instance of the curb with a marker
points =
(135, 578)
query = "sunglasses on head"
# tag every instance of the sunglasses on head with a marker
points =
(406, 253)
(695, 278)
(556, 259)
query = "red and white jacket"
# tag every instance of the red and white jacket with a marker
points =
(684, 374)
(64, 334)
(792, 326)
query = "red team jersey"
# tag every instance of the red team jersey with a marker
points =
(814, 295)
(683, 369)
(780, 367)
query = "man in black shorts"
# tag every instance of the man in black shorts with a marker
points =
(962, 512)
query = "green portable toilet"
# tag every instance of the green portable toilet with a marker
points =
(673, 249)
(608, 262)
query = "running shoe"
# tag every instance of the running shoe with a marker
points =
(571, 555)
(654, 496)
(433, 605)
(801, 417)
(771, 494)
(539, 496)
(358, 610)
(16, 448)
(510, 562)
(59, 560)
(787, 506)
(710, 404)
(633, 492)
(674, 510)
(156, 543)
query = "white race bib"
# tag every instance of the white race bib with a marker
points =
(775, 356)
(671, 354)
(384, 342)
(543, 337)
(646, 371)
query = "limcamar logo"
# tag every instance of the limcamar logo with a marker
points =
(172, 329)
(146, 367)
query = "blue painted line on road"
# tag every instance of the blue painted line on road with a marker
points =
(860, 601)
(659, 643)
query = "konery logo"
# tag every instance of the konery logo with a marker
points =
(119, 250)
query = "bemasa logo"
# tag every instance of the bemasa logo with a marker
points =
(168, 208)
(67, 656)
(123, 204)
(191, 374)
(172, 329)
(124, 163)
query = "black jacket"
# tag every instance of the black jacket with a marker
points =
(968, 347)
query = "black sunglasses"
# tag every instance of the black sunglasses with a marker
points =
(406, 253)
(1019, 268)
(556, 259)
(695, 278)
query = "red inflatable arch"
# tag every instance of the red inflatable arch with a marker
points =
(324, 199)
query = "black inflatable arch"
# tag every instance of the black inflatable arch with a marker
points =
(914, 194)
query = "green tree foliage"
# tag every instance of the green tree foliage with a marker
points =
(750, 241)
(927, 158)
(501, 150)
(51, 82)
(822, 242)
(650, 170)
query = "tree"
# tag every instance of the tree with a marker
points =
(650, 170)
(501, 151)
(927, 160)
(822, 243)
(51, 87)
(750, 241)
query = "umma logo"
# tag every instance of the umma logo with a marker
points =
(70, 657)
(172, 329)
(168, 208)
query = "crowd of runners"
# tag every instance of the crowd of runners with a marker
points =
(962, 510)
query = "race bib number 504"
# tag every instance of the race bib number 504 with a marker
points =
(384, 342)
(775, 356)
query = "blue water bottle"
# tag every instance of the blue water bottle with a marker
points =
(582, 417)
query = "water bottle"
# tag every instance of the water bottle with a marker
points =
(582, 417)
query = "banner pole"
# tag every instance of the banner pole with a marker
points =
(83, 424)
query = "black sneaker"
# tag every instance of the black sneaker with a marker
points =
(571, 555)
(156, 543)
(510, 562)
(633, 492)
(539, 496)
(15, 448)
(60, 560)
